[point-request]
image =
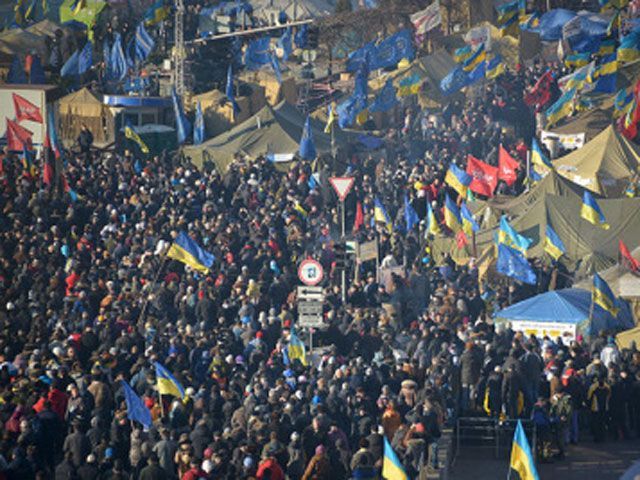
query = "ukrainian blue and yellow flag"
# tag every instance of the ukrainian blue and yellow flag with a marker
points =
(537, 155)
(606, 74)
(577, 60)
(622, 103)
(479, 56)
(131, 134)
(591, 212)
(458, 179)
(553, 245)
(521, 456)
(508, 235)
(410, 85)
(432, 222)
(469, 224)
(186, 250)
(463, 53)
(295, 350)
(380, 214)
(156, 13)
(530, 21)
(331, 119)
(451, 214)
(392, 469)
(563, 107)
(508, 14)
(629, 49)
(606, 47)
(494, 67)
(602, 295)
(166, 383)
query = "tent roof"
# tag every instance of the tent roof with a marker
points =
(568, 306)
(82, 103)
(272, 130)
(18, 41)
(623, 283)
(605, 165)
(45, 27)
(624, 339)
(588, 248)
(590, 122)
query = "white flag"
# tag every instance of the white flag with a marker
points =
(427, 19)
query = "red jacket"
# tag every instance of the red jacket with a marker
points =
(193, 474)
(273, 465)
(58, 402)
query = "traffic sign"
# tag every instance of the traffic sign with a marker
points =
(310, 293)
(310, 272)
(310, 308)
(310, 321)
(342, 186)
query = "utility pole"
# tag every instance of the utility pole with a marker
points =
(179, 52)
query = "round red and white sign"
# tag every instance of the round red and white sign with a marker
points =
(310, 272)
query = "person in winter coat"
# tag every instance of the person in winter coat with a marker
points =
(512, 392)
(269, 469)
(493, 393)
(319, 467)
(470, 369)
(153, 471)
(598, 398)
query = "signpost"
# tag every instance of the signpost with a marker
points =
(310, 303)
(342, 187)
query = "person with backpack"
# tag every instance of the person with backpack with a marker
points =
(561, 413)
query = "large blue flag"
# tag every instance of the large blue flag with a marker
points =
(454, 81)
(136, 409)
(513, 264)
(36, 74)
(16, 73)
(393, 49)
(307, 146)
(285, 43)
(79, 62)
(198, 128)
(117, 64)
(302, 36)
(144, 43)
(349, 109)
(275, 64)
(362, 59)
(230, 92)
(411, 218)
(257, 53)
(183, 126)
(386, 98)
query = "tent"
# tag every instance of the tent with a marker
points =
(589, 248)
(564, 313)
(590, 122)
(605, 165)
(624, 339)
(623, 283)
(46, 27)
(83, 107)
(272, 130)
(22, 42)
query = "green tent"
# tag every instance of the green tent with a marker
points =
(272, 130)
(605, 165)
(589, 248)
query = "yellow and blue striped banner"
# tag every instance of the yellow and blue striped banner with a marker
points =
(458, 179)
(521, 457)
(591, 212)
(392, 469)
(166, 383)
(186, 250)
(602, 295)
(553, 245)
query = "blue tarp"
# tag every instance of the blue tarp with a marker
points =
(551, 23)
(570, 306)
(583, 32)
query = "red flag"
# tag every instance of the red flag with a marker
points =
(507, 166)
(461, 240)
(540, 94)
(631, 263)
(18, 138)
(485, 177)
(359, 221)
(25, 110)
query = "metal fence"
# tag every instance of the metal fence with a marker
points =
(490, 433)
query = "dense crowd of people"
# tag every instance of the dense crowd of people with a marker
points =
(89, 298)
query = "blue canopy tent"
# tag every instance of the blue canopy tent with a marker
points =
(569, 307)
(551, 23)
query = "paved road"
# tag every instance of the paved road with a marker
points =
(584, 462)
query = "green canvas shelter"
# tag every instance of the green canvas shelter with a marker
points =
(588, 248)
(272, 130)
